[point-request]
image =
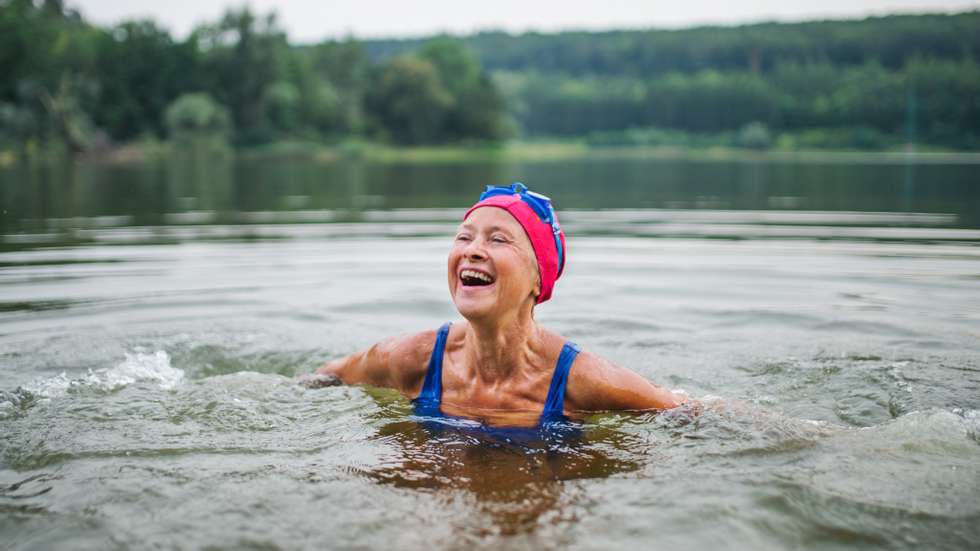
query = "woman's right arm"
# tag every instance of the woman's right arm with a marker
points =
(397, 363)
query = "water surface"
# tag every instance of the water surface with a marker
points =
(152, 322)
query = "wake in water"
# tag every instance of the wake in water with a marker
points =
(138, 366)
(153, 367)
(146, 425)
(722, 428)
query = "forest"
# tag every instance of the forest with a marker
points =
(875, 84)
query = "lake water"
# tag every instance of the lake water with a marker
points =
(153, 318)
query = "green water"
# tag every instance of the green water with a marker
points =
(223, 190)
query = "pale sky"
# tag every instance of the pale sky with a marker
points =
(315, 20)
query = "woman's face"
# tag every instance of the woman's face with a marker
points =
(492, 268)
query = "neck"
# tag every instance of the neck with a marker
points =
(499, 348)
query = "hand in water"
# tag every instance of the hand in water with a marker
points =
(318, 380)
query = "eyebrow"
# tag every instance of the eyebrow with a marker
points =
(491, 229)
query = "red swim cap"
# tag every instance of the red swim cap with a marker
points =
(545, 237)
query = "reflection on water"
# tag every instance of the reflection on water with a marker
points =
(60, 198)
(515, 483)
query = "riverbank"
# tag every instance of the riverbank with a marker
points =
(558, 151)
(512, 151)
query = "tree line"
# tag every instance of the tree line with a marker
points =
(869, 84)
(65, 80)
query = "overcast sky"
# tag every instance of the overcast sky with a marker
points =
(314, 20)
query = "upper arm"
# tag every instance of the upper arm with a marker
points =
(596, 384)
(397, 362)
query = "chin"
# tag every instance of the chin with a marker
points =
(473, 309)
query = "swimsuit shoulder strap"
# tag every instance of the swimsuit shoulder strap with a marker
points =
(432, 387)
(554, 405)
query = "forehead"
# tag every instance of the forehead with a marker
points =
(485, 218)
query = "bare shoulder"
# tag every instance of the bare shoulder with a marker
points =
(596, 384)
(407, 358)
(409, 348)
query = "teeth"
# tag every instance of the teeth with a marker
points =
(477, 275)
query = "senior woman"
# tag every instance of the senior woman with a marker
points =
(499, 366)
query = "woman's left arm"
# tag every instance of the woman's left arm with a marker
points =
(595, 384)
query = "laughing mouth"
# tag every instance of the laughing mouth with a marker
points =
(473, 278)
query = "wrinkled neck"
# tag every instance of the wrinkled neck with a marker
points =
(500, 348)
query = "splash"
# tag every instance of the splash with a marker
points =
(139, 366)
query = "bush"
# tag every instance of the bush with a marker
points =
(754, 135)
(197, 114)
(856, 137)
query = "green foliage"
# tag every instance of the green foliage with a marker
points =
(708, 101)
(480, 113)
(861, 138)
(68, 81)
(437, 96)
(943, 98)
(892, 41)
(17, 124)
(559, 105)
(282, 105)
(140, 71)
(67, 122)
(868, 84)
(244, 55)
(458, 68)
(754, 135)
(197, 114)
(939, 98)
(657, 137)
(751, 136)
(329, 110)
(409, 101)
(478, 109)
(46, 52)
(340, 69)
(885, 75)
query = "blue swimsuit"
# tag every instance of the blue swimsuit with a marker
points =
(553, 416)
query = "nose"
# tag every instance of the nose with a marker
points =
(474, 250)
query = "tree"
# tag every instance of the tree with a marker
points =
(140, 71)
(47, 54)
(243, 56)
(409, 101)
(282, 105)
(456, 64)
(478, 109)
(480, 112)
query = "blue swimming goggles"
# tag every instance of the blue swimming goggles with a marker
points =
(540, 204)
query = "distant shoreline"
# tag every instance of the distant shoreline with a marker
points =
(557, 151)
(513, 151)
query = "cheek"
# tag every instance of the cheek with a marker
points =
(455, 252)
(454, 260)
(451, 262)
(525, 271)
